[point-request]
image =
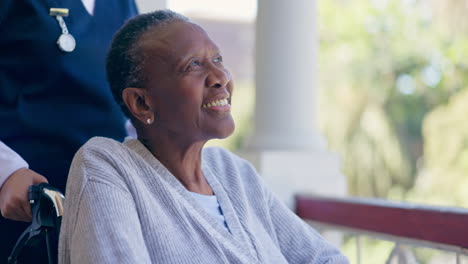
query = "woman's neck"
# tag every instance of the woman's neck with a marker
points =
(184, 161)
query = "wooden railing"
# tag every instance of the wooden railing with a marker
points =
(443, 228)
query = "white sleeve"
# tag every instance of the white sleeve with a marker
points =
(10, 162)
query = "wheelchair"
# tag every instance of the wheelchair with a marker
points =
(43, 233)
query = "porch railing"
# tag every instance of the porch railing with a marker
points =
(444, 228)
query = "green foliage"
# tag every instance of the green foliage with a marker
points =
(393, 78)
(444, 177)
(384, 66)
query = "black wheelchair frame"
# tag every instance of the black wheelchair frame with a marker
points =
(47, 210)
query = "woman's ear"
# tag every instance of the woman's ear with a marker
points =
(138, 103)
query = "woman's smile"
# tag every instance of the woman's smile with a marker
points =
(218, 104)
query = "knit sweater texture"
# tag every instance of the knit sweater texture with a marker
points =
(124, 206)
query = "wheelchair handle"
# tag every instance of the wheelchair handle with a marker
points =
(47, 210)
(36, 192)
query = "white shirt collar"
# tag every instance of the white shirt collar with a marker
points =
(89, 5)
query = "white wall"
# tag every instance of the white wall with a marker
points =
(145, 6)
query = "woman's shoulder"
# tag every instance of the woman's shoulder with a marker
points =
(99, 157)
(101, 144)
(99, 149)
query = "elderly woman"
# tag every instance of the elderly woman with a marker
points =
(162, 198)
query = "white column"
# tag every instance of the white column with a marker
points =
(286, 146)
(145, 6)
(286, 76)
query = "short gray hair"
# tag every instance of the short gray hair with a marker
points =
(124, 60)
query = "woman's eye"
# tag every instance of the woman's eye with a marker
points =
(193, 65)
(218, 59)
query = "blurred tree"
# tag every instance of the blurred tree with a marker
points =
(394, 101)
(444, 177)
(450, 15)
(384, 66)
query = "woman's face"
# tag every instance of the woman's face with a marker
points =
(187, 82)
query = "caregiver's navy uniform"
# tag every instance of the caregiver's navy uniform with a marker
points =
(55, 96)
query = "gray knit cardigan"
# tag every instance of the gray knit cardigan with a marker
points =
(123, 206)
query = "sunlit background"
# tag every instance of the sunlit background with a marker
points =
(393, 95)
(239, 10)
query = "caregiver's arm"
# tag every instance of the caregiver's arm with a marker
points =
(15, 179)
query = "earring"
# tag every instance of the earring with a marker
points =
(149, 121)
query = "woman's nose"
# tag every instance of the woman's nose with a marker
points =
(218, 77)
